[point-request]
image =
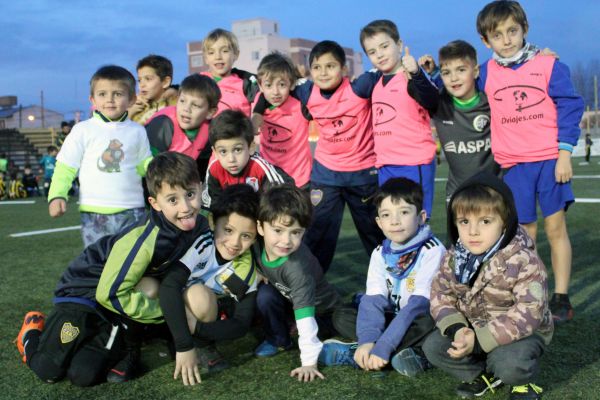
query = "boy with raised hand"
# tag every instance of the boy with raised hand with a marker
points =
(490, 296)
(110, 153)
(184, 127)
(393, 315)
(462, 117)
(535, 125)
(400, 102)
(155, 76)
(97, 306)
(231, 136)
(295, 284)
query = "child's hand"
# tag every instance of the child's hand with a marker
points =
(57, 207)
(563, 171)
(138, 106)
(427, 63)
(463, 344)
(376, 363)
(362, 354)
(307, 373)
(409, 62)
(186, 362)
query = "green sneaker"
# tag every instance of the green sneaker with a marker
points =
(526, 392)
(478, 387)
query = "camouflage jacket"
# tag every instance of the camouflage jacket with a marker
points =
(507, 302)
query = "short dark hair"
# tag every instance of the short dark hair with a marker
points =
(285, 201)
(457, 50)
(400, 189)
(240, 199)
(64, 123)
(174, 169)
(277, 64)
(161, 65)
(114, 73)
(202, 86)
(231, 124)
(51, 148)
(379, 26)
(496, 12)
(327, 47)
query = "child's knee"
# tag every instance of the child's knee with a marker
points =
(149, 287)
(555, 226)
(202, 302)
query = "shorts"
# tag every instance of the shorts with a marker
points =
(535, 181)
(423, 174)
(94, 225)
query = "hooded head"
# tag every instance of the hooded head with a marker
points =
(482, 192)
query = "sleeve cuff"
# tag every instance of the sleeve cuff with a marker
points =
(565, 146)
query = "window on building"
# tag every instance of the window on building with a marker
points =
(196, 61)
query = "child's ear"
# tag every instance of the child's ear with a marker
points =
(154, 203)
(211, 113)
(345, 70)
(476, 71)
(252, 147)
(211, 221)
(259, 228)
(166, 82)
(422, 217)
(485, 42)
(132, 100)
(378, 222)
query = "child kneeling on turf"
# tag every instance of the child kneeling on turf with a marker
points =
(98, 307)
(393, 315)
(295, 281)
(490, 297)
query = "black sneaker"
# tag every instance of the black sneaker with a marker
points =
(210, 360)
(126, 369)
(525, 392)
(478, 387)
(561, 308)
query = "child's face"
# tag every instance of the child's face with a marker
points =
(399, 221)
(327, 72)
(234, 234)
(478, 232)
(383, 52)
(459, 77)
(192, 110)
(281, 239)
(220, 57)
(276, 88)
(111, 98)
(27, 171)
(233, 154)
(53, 153)
(179, 205)
(507, 39)
(151, 86)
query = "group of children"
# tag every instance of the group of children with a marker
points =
(479, 311)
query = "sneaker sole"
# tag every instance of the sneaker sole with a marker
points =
(406, 363)
(338, 342)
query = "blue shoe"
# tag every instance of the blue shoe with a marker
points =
(407, 362)
(335, 352)
(266, 349)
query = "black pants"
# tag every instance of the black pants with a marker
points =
(78, 343)
(515, 363)
(344, 321)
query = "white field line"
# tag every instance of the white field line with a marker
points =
(45, 231)
(10, 202)
(584, 200)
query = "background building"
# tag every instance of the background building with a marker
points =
(258, 37)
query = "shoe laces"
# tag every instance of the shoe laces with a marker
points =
(488, 382)
(525, 388)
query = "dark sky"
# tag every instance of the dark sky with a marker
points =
(56, 46)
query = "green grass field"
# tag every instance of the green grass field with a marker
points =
(31, 266)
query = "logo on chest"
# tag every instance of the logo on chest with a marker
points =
(277, 133)
(383, 113)
(522, 96)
